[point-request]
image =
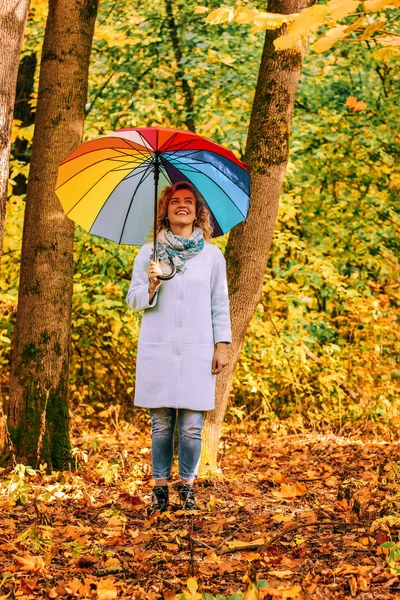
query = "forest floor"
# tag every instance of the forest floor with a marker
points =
(293, 517)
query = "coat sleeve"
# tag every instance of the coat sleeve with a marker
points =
(220, 312)
(138, 294)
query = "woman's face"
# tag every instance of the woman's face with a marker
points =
(182, 208)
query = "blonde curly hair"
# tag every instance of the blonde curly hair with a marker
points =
(203, 218)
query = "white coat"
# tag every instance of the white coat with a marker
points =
(188, 315)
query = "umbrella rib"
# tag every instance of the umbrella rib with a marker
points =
(130, 142)
(215, 183)
(204, 162)
(182, 147)
(96, 163)
(169, 142)
(164, 170)
(94, 185)
(145, 174)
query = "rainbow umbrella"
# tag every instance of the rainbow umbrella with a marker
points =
(107, 185)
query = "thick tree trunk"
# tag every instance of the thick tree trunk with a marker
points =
(12, 22)
(38, 408)
(249, 243)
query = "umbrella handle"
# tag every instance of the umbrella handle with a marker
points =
(169, 276)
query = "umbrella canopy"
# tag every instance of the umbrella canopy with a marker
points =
(107, 185)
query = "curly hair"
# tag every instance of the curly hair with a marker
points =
(203, 218)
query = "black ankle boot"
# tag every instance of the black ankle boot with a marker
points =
(186, 496)
(159, 498)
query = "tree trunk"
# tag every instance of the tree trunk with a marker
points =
(13, 15)
(23, 112)
(38, 407)
(180, 73)
(249, 242)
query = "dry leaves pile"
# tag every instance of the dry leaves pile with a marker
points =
(301, 517)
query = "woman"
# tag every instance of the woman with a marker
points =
(184, 335)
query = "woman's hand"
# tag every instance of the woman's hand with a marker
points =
(152, 271)
(220, 359)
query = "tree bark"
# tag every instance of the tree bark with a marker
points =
(180, 73)
(249, 242)
(38, 407)
(13, 15)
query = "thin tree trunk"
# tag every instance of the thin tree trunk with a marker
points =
(13, 15)
(249, 243)
(179, 73)
(23, 112)
(38, 408)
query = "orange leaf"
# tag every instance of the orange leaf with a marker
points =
(290, 490)
(351, 101)
(30, 563)
(106, 590)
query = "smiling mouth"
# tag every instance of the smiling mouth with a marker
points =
(181, 212)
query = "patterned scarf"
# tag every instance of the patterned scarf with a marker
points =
(178, 249)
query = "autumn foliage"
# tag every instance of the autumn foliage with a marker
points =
(306, 506)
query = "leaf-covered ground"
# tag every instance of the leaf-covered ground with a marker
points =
(304, 516)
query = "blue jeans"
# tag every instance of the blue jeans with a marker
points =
(190, 424)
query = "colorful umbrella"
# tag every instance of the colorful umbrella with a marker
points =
(105, 185)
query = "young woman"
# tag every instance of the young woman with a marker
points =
(184, 335)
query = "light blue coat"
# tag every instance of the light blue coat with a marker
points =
(188, 315)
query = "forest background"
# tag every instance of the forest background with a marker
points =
(309, 451)
(322, 350)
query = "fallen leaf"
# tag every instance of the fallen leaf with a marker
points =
(353, 585)
(241, 543)
(290, 490)
(29, 563)
(191, 585)
(281, 574)
(292, 593)
(106, 590)
(250, 556)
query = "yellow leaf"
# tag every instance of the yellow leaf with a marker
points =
(389, 40)
(228, 60)
(245, 17)
(342, 8)
(355, 25)
(265, 20)
(191, 585)
(279, 518)
(200, 10)
(330, 38)
(281, 574)
(369, 31)
(308, 20)
(224, 14)
(252, 592)
(386, 54)
(376, 5)
(292, 593)
(287, 42)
